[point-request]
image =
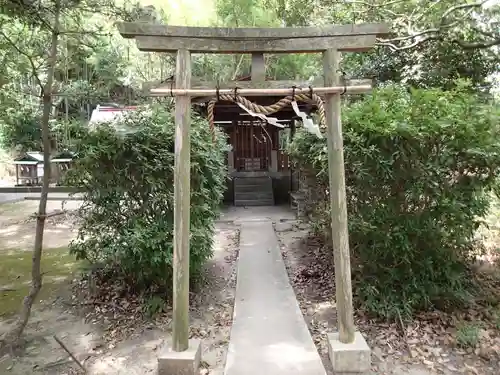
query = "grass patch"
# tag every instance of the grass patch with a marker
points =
(15, 276)
(468, 334)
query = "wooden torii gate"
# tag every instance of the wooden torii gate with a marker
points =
(328, 40)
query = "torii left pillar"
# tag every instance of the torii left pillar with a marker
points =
(183, 356)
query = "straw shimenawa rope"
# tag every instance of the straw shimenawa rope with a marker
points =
(269, 109)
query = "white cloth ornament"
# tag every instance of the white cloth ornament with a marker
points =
(309, 125)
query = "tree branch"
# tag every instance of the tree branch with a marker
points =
(75, 32)
(374, 6)
(422, 36)
(478, 45)
(393, 47)
(461, 7)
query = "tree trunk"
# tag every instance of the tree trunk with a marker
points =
(12, 337)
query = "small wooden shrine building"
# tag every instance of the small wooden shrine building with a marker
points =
(257, 163)
(29, 168)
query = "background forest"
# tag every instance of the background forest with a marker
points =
(433, 45)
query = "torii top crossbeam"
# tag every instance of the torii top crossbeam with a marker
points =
(164, 38)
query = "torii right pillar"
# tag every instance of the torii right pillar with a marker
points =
(348, 350)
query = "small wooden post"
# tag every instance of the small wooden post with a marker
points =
(182, 188)
(345, 318)
(258, 72)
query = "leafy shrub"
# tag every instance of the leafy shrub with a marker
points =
(419, 165)
(127, 179)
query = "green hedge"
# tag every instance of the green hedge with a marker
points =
(127, 177)
(419, 168)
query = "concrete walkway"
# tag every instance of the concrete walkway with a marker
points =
(269, 335)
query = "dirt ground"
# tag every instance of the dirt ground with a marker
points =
(425, 348)
(116, 337)
(17, 225)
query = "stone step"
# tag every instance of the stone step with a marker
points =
(254, 202)
(255, 179)
(253, 191)
(260, 201)
(252, 182)
(250, 188)
(253, 195)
